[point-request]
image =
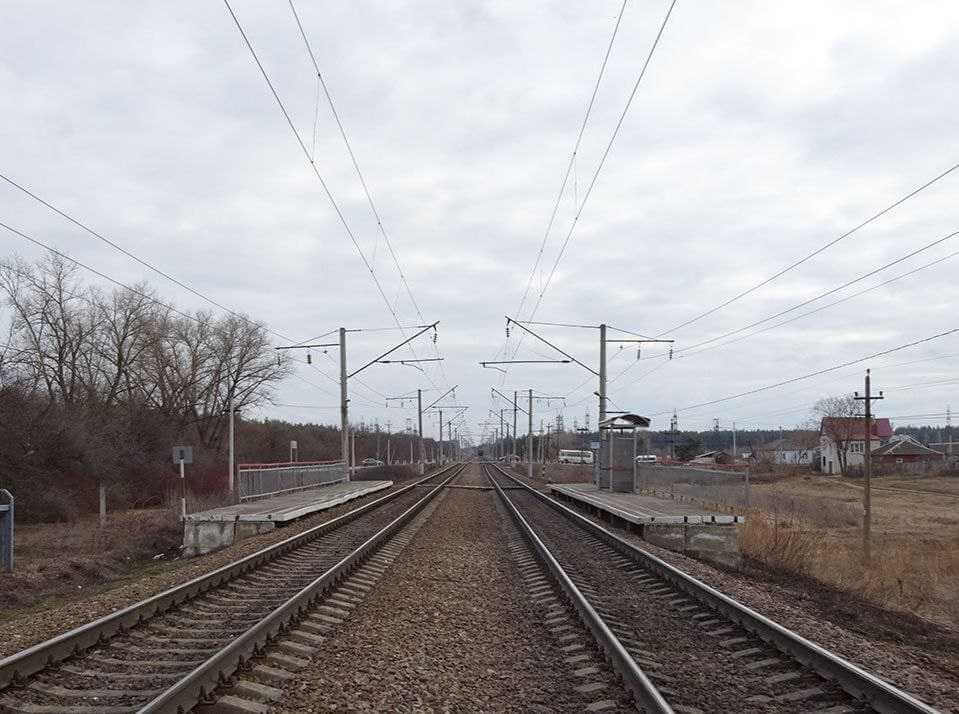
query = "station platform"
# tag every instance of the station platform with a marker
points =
(206, 531)
(664, 522)
(638, 508)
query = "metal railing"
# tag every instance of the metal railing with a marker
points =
(264, 480)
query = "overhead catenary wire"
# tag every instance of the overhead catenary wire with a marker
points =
(604, 157)
(359, 172)
(299, 140)
(572, 159)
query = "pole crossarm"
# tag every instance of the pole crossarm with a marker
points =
(509, 399)
(448, 391)
(529, 361)
(550, 344)
(410, 361)
(640, 340)
(392, 350)
(306, 347)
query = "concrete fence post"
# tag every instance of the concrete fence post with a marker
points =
(6, 530)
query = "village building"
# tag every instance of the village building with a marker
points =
(842, 441)
(789, 451)
(904, 449)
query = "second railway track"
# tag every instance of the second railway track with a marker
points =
(170, 652)
(678, 644)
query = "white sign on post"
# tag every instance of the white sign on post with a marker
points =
(183, 454)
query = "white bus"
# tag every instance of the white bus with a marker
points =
(569, 456)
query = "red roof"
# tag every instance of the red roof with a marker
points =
(854, 427)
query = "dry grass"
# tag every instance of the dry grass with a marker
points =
(57, 558)
(812, 527)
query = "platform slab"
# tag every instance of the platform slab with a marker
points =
(641, 509)
(207, 531)
(290, 506)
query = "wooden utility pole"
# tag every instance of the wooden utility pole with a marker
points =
(867, 458)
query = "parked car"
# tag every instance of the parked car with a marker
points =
(647, 459)
(371, 462)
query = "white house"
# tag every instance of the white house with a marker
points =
(844, 437)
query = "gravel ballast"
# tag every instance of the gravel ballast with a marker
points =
(449, 629)
(19, 630)
(921, 658)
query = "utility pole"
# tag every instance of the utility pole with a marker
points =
(734, 443)
(515, 409)
(377, 426)
(441, 436)
(673, 428)
(419, 412)
(529, 439)
(949, 451)
(866, 495)
(388, 434)
(233, 498)
(344, 408)
(602, 376)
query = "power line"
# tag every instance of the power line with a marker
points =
(96, 272)
(125, 252)
(816, 252)
(794, 318)
(814, 374)
(825, 294)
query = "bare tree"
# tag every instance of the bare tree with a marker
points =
(838, 424)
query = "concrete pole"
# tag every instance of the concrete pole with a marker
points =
(232, 465)
(734, 443)
(529, 440)
(419, 414)
(449, 438)
(604, 445)
(867, 495)
(353, 447)
(441, 436)
(602, 374)
(102, 493)
(182, 494)
(515, 409)
(344, 408)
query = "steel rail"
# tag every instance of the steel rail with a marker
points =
(647, 696)
(199, 684)
(880, 695)
(38, 657)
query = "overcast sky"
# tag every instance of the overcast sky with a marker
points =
(760, 132)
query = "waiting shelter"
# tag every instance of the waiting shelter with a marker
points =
(617, 453)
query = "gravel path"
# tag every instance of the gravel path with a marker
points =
(450, 629)
(51, 617)
(921, 658)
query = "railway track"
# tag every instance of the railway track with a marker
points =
(172, 651)
(680, 645)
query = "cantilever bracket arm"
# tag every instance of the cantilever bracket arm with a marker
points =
(550, 344)
(391, 351)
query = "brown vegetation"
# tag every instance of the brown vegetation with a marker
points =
(53, 559)
(811, 527)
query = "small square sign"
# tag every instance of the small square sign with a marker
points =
(183, 453)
